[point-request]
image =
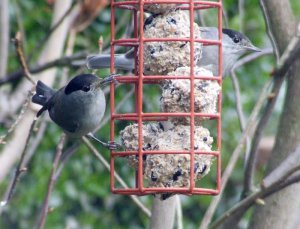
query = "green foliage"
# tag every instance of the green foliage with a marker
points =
(81, 196)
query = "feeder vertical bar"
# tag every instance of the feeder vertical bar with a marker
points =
(192, 96)
(140, 96)
(112, 95)
(135, 34)
(219, 132)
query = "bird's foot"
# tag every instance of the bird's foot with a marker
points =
(112, 145)
(111, 78)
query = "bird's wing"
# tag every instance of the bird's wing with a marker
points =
(50, 103)
(71, 128)
(130, 54)
(209, 33)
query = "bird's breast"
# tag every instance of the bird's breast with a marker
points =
(79, 112)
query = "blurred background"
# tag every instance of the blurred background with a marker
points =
(81, 197)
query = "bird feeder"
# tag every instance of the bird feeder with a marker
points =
(190, 95)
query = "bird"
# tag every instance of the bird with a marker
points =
(234, 45)
(78, 107)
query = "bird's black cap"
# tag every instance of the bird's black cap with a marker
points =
(234, 35)
(80, 82)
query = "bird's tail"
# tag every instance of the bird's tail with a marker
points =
(103, 61)
(43, 93)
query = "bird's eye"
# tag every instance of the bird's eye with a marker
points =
(86, 88)
(236, 40)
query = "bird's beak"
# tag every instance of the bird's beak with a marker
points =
(107, 80)
(253, 48)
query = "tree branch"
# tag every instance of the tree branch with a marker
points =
(267, 189)
(51, 182)
(251, 125)
(60, 62)
(288, 58)
(19, 169)
(245, 135)
(21, 57)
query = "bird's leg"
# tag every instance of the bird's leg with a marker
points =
(109, 145)
(107, 80)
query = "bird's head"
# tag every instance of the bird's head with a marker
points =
(87, 83)
(82, 82)
(236, 43)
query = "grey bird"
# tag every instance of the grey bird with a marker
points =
(234, 45)
(78, 107)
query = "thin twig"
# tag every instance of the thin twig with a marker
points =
(21, 57)
(60, 62)
(236, 153)
(225, 18)
(36, 141)
(18, 119)
(240, 113)
(65, 157)
(19, 169)
(268, 27)
(44, 212)
(251, 57)
(117, 176)
(241, 14)
(288, 58)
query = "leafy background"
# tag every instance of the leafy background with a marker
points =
(82, 198)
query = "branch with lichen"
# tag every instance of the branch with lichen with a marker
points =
(287, 173)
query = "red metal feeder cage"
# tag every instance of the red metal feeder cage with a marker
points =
(140, 79)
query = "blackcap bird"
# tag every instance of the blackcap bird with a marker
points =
(234, 45)
(78, 107)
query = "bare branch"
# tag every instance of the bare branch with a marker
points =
(239, 109)
(288, 58)
(268, 26)
(19, 169)
(60, 62)
(282, 182)
(251, 57)
(65, 157)
(236, 153)
(44, 212)
(288, 164)
(20, 53)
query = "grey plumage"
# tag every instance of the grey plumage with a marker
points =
(43, 93)
(77, 108)
(122, 61)
(234, 45)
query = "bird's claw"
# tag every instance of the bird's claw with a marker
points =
(109, 79)
(113, 145)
